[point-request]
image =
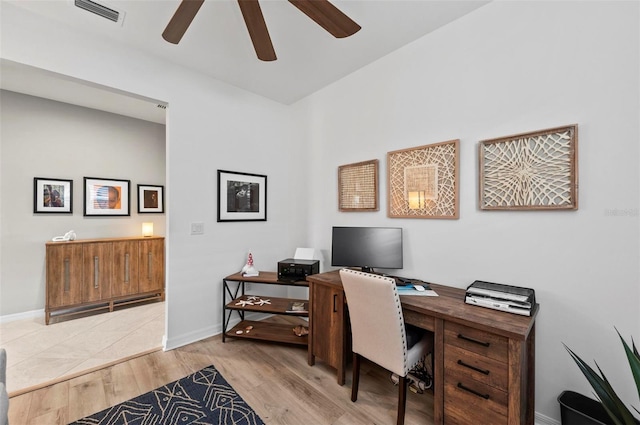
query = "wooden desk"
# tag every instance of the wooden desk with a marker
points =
(484, 360)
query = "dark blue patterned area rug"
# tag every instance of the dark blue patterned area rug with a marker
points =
(204, 397)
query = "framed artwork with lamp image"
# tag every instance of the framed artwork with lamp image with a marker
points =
(106, 197)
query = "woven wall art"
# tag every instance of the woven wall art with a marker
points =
(423, 181)
(358, 186)
(530, 171)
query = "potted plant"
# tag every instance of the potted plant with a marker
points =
(612, 404)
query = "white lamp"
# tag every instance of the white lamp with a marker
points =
(147, 229)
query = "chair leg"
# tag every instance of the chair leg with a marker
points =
(356, 377)
(402, 398)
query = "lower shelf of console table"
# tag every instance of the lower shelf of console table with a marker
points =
(266, 331)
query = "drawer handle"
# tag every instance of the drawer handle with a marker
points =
(335, 303)
(474, 392)
(126, 268)
(96, 271)
(477, 369)
(150, 265)
(475, 341)
(66, 275)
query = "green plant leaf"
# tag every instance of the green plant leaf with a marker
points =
(615, 408)
(634, 360)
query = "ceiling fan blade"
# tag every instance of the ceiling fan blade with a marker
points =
(181, 20)
(257, 28)
(328, 17)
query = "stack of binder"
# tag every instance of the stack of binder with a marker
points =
(497, 296)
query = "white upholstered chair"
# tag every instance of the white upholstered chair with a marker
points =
(378, 330)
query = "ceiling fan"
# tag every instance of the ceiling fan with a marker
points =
(322, 12)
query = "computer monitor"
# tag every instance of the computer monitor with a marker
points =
(367, 247)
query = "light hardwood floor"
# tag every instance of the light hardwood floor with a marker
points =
(39, 355)
(274, 379)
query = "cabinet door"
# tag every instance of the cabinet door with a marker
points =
(151, 265)
(125, 268)
(97, 271)
(64, 275)
(328, 326)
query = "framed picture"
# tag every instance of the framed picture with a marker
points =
(52, 196)
(530, 171)
(106, 197)
(241, 196)
(150, 199)
(358, 186)
(423, 182)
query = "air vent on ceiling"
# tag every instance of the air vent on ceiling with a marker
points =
(98, 9)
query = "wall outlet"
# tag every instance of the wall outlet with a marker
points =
(197, 228)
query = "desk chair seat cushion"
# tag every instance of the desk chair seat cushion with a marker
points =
(374, 303)
(419, 350)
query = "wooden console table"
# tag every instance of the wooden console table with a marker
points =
(235, 299)
(484, 360)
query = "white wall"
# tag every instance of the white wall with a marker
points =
(510, 67)
(47, 139)
(210, 126)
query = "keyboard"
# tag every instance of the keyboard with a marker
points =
(405, 281)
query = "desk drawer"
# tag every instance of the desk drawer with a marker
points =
(476, 367)
(476, 341)
(471, 402)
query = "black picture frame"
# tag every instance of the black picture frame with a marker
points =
(106, 197)
(241, 196)
(150, 199)
(52, 196)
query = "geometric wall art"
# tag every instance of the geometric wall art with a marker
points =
(358, 186)
(423, 182)
(530, 171)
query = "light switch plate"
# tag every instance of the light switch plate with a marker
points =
(197, 228)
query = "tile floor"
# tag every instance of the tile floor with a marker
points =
(38, 354)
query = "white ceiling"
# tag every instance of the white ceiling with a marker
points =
(217, 42)
(49, 85)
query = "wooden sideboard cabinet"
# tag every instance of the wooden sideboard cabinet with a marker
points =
(95, 274)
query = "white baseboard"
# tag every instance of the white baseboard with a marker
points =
(541, 419)
(33, 314)
(200, 334)
(191, 337)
